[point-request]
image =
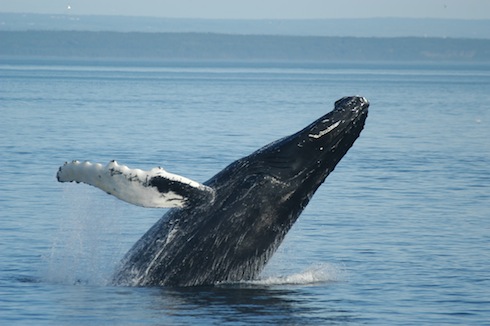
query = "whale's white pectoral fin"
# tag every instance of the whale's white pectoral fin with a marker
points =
(154, 188)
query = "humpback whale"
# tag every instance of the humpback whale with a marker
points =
(227, 228)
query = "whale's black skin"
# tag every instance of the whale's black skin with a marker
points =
(256, 201)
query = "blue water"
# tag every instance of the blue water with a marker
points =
(399, 234)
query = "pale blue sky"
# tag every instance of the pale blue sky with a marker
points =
(258, 9)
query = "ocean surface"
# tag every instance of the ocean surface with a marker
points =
(399, 234)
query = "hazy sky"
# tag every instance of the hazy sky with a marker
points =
(258, 9)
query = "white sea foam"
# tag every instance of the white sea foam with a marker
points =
(315, 274)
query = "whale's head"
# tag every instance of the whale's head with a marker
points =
(261, 195)
(305, 158)
(291, 169)
(297, 165)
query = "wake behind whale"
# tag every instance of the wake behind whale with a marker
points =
(227, 228)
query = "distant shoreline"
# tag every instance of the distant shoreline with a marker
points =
(131, 46)
(360, 27)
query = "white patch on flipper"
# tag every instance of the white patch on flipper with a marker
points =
(325, 131)
(130, 185)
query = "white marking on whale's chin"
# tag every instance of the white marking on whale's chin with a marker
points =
(325, 131)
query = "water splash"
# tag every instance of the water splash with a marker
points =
(81, 248)
(315, 274)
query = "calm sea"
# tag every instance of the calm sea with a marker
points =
(399, 234)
